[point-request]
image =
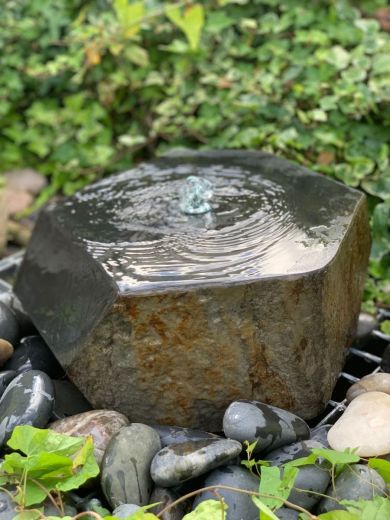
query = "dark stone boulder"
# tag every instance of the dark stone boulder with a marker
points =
(169, 317)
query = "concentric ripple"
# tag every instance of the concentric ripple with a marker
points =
(268, 219)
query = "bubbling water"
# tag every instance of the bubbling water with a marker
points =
(135, 226)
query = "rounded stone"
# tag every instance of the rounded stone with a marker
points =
(356, 482)
(385, 364)
(125, 510)
(320, 434)
(284, 513)
(240, 505)
(270, 426)
(166, 497)
(9, 327)
(6, 351)
(101, 424)
(366, 324)
(379, 382)
(7, 507)
(178, 463)
(313, 478)
(34, 354)
(28, 399)
(364, 426)
(176, 434)
(125, 474)
(5, 378)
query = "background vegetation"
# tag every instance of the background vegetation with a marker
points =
(89, 87)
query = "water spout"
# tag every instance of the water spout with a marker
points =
(195, 196)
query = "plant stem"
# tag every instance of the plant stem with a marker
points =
(48, 494)
(237, 490)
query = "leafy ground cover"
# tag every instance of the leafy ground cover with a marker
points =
(88, 88)
(45, 465)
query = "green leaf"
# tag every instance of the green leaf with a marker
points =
(30, 440)
(84, 468)
(271, 483)
(32, 494)
(190, 22)
(376, 509)
(130, 16)
(339, 515)
(382, 466)
(265, 511)
(208, 510)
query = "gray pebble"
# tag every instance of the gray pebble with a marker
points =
(272, 427)
(356, 482)
(320, 434)
(366, 324)
(284, 513)
(28, 399)
(176, 434)
(166, 497)
(125, 476)
(312, 477)
(125, 510)
(9, 327)
(178, 463)
(7, 507)
(240, 505)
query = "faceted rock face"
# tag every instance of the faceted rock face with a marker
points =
(169, 317)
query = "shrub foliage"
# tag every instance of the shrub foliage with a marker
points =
(89, 87)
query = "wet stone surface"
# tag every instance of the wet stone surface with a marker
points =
(69, 400)
(33, 354)
(240, 505)
(101, 424)
(314, 478)
(176, 434)
(125, 473)
(7, 507)
(271, 427)
(166, 497)
(28, 399)
(177, 463)
(165, 295)
(9, 327)
(356, 482)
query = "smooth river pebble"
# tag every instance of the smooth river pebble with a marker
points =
(240, 506)
(28, 399)
(178, 463)
(125, 475)
(272, 427)
(356, 482)
(365, 425)
(101, 424)
(379, 382)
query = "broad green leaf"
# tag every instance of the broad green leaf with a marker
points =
(29, 515)
(265, 511)
(336, 457)
(191, 21)
(339, 514)
(84, 468)
(130, 15)
(376, 509)
(33, 495)
(380, 465)
(30, 441)
(208, 510)
(271, 483)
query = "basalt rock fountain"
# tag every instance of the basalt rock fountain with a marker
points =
(173, 289)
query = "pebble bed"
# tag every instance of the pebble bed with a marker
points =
(142, 464)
